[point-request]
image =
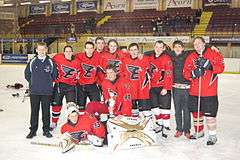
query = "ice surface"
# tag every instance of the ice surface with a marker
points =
(14, 123)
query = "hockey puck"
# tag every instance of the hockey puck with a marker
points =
(1, 110)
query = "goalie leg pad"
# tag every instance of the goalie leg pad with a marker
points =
(66, 143)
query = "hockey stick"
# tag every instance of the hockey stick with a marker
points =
(199, 98)
(45, 144)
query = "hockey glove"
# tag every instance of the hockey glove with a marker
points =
(96, 141)
(203, 63)
(197, 72)
(79, 136)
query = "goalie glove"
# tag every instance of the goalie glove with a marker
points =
(94, 140)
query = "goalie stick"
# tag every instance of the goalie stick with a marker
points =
(87, 146)
(45, 144)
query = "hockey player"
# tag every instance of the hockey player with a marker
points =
(117, 93)
(137, 66)
(101, 48)
(84, 128)
(201, 69)
(113, 56)
(40, 73)
(180, 90)
(87, 87)
(161, 71)
(100, 45)
(65, 85)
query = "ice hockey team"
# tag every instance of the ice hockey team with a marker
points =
(105, 82)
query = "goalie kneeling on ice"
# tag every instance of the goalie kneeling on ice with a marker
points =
(130, 132)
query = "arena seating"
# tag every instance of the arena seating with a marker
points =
(139, 21)
(225, 20)
(7, 26)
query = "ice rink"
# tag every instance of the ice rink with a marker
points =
(14, 123)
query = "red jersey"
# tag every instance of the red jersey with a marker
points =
(121, 90)
(115, 59)
(67, 70)
(137, 73)
(88, 68)
(161, 71)
(86, 123)
(100, 74)
(209, 81)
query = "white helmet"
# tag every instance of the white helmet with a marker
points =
(71, 107)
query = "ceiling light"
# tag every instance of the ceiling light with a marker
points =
(25, 3)
(44, 1)
(8, 4)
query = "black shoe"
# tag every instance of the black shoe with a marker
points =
(31, 135)
(47, 134)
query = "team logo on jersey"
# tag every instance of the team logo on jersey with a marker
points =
(47, 69)
(68, 71)
(162, 75)
(213, 79)
(146, 80)
(152, 68)
(134, 70)
(87, 69)
(114, 63)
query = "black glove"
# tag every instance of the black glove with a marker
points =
(197, 72)
(203, 63)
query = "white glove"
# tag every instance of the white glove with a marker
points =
(103, 117)
(94, 140)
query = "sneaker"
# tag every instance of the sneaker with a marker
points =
(47, 134)
(196, 136)
(178, 134)
(53, 126)
(187, 135)
(212, 139)
(31, 135)
(165, 132)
